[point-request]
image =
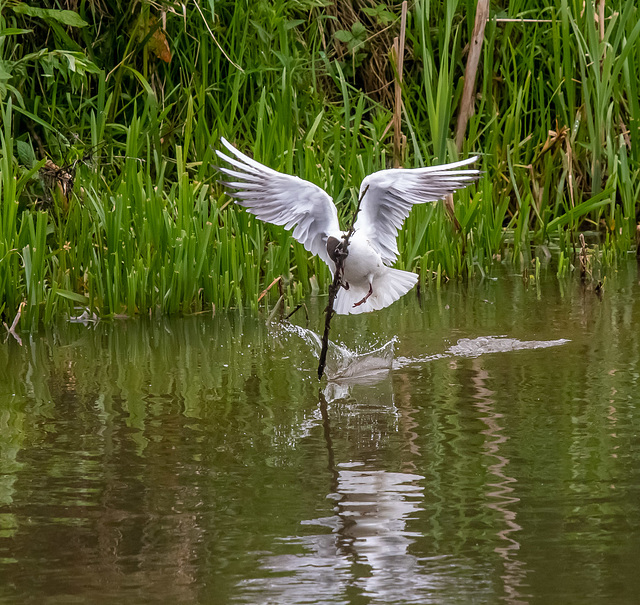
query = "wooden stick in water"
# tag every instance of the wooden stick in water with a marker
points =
(333, 292)
(335, 286)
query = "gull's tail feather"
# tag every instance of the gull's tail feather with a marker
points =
(387, 288)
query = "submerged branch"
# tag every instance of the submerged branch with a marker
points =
(12, 330)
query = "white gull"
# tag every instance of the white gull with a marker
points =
(369, 283)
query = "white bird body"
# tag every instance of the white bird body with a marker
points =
(363, 263)
(369, 283)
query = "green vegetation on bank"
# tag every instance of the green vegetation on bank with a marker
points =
(111, 112)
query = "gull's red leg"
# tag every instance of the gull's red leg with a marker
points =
(364, 300)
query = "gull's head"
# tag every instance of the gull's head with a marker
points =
(334, 248)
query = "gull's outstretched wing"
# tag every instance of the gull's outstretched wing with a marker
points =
(282, 199)
(392, 193)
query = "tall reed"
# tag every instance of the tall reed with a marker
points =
(147, 229)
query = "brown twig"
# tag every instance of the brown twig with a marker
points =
(279, 306)
(601, 20)
(326, 425)
(12, 329)
(264, 292)
(584, 259)
(451, 213)
(466, 105)
(300, 306)
(333, 292)
(335, 286)
(398, 47)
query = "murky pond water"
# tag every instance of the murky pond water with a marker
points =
(197, 460)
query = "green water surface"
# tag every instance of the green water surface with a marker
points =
(198, 460)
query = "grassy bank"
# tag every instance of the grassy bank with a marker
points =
(109, 120)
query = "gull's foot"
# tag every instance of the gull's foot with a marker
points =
(364, 300)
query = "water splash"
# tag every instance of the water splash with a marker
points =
(483, 345)
(468, 347)
(343, 364)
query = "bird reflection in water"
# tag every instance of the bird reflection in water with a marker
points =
(376, 511)
(372, 508)
(367, 548)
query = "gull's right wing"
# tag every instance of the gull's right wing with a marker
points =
(282, 199)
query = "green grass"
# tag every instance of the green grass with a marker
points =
(147, 230)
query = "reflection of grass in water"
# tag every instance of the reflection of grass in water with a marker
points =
(158, 406)
(146, 230)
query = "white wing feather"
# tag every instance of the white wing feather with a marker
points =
(282, 199)
(392, 193)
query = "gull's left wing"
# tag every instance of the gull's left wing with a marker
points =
(392, 193)
(282, 199)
